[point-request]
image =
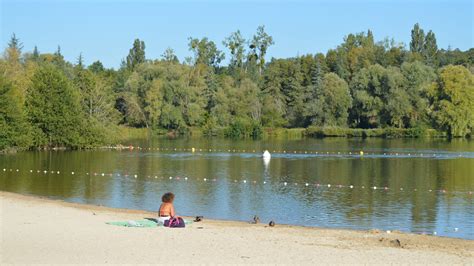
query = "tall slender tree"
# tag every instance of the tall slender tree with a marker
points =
(261, 42)
(15, 43)
(80, 62)
(417, 39)
(136, 55)
(430, 49)
(36, 53)
(235, 43)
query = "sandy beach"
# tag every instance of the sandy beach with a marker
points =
(37, 230)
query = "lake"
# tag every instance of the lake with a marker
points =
(411, 185)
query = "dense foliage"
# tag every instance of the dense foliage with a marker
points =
(46, 101)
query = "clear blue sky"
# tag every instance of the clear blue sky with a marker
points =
(104, 30)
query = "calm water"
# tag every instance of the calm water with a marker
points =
(420, 186)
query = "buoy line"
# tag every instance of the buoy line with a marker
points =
(353, 153)
(241, 181)
(319, 187)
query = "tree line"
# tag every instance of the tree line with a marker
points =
(46, 101)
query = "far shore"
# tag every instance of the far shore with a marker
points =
(130, 133)
(38, 230)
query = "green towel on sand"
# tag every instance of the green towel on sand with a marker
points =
(141, 223)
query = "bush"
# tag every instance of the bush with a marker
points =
(244, 129)
(321, 132)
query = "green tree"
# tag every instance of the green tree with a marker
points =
(317, 71)
(368, 92)
(430, 49)
(220, 114)
(54, 109)
(163, 94)
(332, 102)
(154, 102)
(259, 45)
(169, 55)
(452, 99)
(417, 39)
(205, 52)
(96, 67)
(97, 97)
(16, 71)
(397, 105)
(210, 90)
(136, 55)
(419, 78)
(235, 43)
(58, 55)
(14, 129)
(390, 53)
(284, 82)
(456, 57)
(36, 54)
(15, 43)
(381, 98)
(80, 61)
(133, 105)
(313, 105)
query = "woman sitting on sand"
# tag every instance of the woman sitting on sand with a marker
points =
(166, 209)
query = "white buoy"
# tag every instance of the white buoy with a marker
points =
(266, 155)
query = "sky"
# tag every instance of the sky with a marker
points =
(104, 30)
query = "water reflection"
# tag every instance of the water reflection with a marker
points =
(394, 209)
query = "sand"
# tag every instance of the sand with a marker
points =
(38, 230)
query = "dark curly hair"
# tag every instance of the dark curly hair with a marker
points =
(167, 197)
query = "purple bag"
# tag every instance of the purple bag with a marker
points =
(175, 222)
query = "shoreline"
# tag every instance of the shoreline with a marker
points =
(310, 132)
(40, 230)
(151, 214)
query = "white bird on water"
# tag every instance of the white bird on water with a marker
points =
(266, 155)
